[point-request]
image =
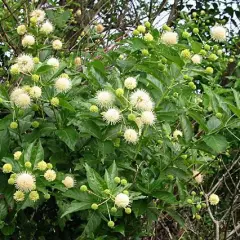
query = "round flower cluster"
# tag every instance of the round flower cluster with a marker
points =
(169, 38)
(25, 182)
(219, 33)
(213, 199)
(28, 40)
(68, 182)
(20, 98)
(62, 84)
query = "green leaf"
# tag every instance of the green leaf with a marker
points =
(170, 54)
(92, 128)
(217, 142)
(43, 69)
(186, 127)
(235, 110)
(79, 196)
(199, 119)
(77, 206)
(69, 136)
(66, 105)
(165, 196)
(96, 183)
(196, 46)
(93, 222)
(139, 207)
(109, 176)
(177, 172)
(176, 216)
(237, 97)
(213, 123)
(4, 143)
(3, 209)
(120, 229)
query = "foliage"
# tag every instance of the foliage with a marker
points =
(184, 124)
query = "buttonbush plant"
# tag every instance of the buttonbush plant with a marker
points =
(101, 144)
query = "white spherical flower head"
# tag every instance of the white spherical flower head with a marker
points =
(25, 63)
(23, 100)
(38, 14)
(121, 200)
(141, 100)
(131, 136)
(148, 117)
(130, 83)
(21, 29)
(105, 98)
(25, 182)
(199, 176)
(28, 40)
(68, 182)
(213, 199)
(15, 93)
(46, 28)
(57, 44)
(63, 84)
(53, 62)
(196, 59)
(35, 92)
(169, 38)
(219, 33)
(50, 175)
(112, 116)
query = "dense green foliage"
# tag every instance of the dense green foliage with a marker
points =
(191, 129)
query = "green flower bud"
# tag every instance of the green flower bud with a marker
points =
(209, 70)
(124, 182)
(186, 34)
(11, 181)
(35, 124)
(119, 92)
(35, 107)
(128, 210)
(83, 188)
(145, 52)
(161, 66)
(170, 177)
(107, 191)
(147, 24)
(36, 60)
(196, 30)
(54, 101)
(186, 54)
(166, 28)
(203, 52)
(113, 209)
(192, 85)
(131, 117)
(198, 206)
(1, 100)
(47, 196)
(198, 217)
(148, 37)
(13, 175)
(136, 32)
(141, 29)
(117, 180)
(49, 166)
(190, 201)
(159, 141)
(219, 115)
(93, 108)
(126, 192)
(35, 77)
(94, 206)
(207, 47)
(193, 193)
(28, 165)
(13, 125)
(204, 205)
(111, 224)
(212, 57)
(7, 168)
(194, 14)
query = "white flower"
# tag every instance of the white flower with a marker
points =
(21, 29)
(112, 116)
(131, 135)
(219, 33)
(68, 182)
(63, 84)
(141, 100)
(199, 177)
(122, 200)
(46, 28)
(35, 92)
(104, 98)
(57, 44)
(50, 175)
(213, 199)
(28, 40)
(15, 93)
(25, 182)
(169, 38)
(177, 133)
(148, 117)
(17, 155)
(38, 14)
(130, 83)
(53, 62)
(25, 63)
(23, 100)
(196, 59)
